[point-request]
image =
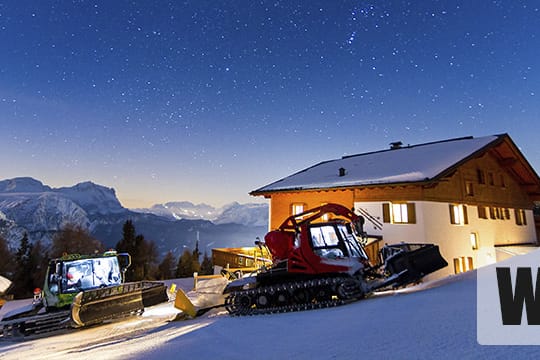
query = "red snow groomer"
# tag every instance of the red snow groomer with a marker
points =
(319, 260)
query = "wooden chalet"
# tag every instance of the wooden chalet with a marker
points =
(473, 197)
(244, 258)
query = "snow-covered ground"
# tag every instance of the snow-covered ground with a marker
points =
(429, 321)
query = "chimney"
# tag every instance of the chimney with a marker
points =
(395, 145)
(342, 171)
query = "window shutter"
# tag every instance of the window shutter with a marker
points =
(452, 217)
(482, 212)
(465, 216)
(411, 213)
(386, 212)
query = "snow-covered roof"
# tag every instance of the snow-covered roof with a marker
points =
(404, 164)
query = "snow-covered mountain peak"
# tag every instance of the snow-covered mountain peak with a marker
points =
(183, 210)
(28, 206)
(92, 197)
(251, 214)
(23, 185)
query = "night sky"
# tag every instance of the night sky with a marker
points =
(207, 100)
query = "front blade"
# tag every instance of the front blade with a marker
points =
(413, 261)
(183, 303)
(154, 293)
(94, 306)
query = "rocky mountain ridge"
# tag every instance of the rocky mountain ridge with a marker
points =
(29, 206)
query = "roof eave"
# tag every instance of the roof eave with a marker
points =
(449, 170)
(336, 188)
(500, 138)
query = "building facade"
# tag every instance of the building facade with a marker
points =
(474, 197)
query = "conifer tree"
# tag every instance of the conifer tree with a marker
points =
(39, 259)
(185, 265)
(166, 269)
(143, 253)
(195, 264)
(207, 267)
(128, 245)
(150, 260)
(22, 277)
(6, 259)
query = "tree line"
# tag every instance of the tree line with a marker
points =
(26, 266)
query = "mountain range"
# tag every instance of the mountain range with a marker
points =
(29, 206)
(246, 214)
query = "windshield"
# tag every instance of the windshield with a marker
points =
(350, 240)
(335, 240)
(90, 273)
(324, 236)
(325, 242)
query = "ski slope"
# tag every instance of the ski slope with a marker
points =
(432, 320)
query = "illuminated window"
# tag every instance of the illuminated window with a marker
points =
(462, 264)
(458, 214)
(399, 213)
(521, 219)
(297, 208)
(474, 240)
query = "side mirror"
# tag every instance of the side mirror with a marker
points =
(124, 261)
(258, 242)
(359, 226)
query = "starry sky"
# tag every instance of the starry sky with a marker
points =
(206, 101)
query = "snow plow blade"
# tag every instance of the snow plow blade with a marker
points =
(182, 302)
(97, 305)
(411, 261)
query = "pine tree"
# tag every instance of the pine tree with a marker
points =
(137, 265)
(166, 269)
(195, 264)
(207, 268)
(22, 277)
(6, 265)
(39, 259)
(143, 253)
(150, 260)
(185, 265)
(128, 245)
